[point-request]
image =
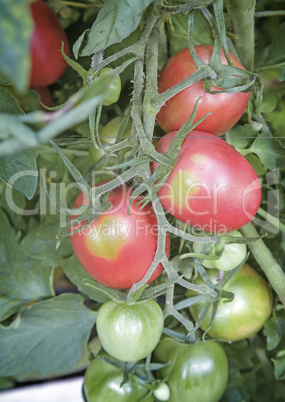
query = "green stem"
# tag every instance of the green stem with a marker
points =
(270, 67)
(275, 13)
(267, 262)
(202, 72)
(184, 8)
(241, 15)
(271, 219)
(76, 4)
(151, 82)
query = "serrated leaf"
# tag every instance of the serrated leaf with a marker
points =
(110, 26)
(77, 275)
(15, 32)
(270, 151)
(20, 171)
(46, 337)
(8, 104)
(22, 279)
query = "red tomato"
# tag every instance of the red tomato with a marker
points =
(45, 95)
(47, 63)
(212, 186)
(226, 108)
(118, 248)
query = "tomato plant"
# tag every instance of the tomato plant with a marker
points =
(118, 248)
(155, 211)
(226, 108)
(233, 254)
(103, 382)
(129, 332)
(246, 314)
(197, 372)
(205, 189)
(47, 63)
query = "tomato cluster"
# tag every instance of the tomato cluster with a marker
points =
(211, 187)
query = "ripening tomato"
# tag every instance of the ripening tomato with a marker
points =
(119, 247)
(212, 186)
(103, 383)
(246, 314)
(129, 332)
(226, 108)
(47, 63)
(197, 372)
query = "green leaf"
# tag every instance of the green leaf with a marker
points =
(110, 26)
(276, 52)
(279, 365)
(15, 32)
(22, 279)
(240, 136)
(46, 337)
(177, 33)
(270, 151)
(20, 171)
(269, 102)
(256, 164)
(19, 200)
(40, 243)
(241, 354)
(77, 275)
(274, 330)
(281, 73)
(8, 104)
(4, 79)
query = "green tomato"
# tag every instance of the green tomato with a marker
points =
(103, 381)
(246, 314)
(162, 392)
(197, 372)
(108, 136)
(233, 254)
(114, 90)
(129, 332)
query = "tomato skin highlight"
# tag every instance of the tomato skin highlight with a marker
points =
(129, 332)
(246, 314)
(118, 248)
(196, 373)
(212, 186)
(47, 63)
(102, 383)
(226, 108)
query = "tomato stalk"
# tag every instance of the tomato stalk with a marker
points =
(241, 15)
(267, 262)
